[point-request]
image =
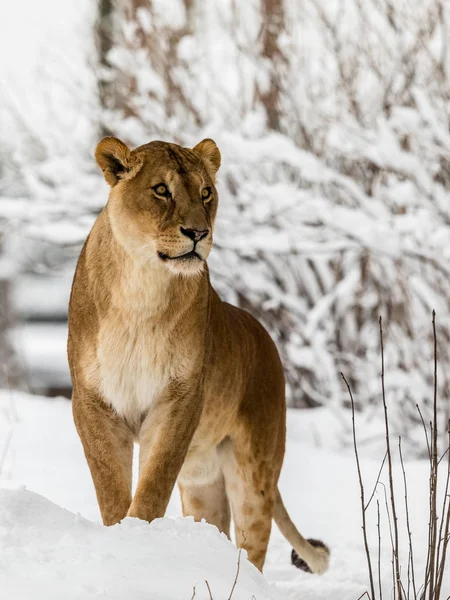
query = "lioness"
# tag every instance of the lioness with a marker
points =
(157, 357)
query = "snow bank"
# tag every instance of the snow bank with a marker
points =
(49, 552)
(46, 548)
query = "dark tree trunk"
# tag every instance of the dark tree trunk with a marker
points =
(273, 25)
(161, 46)
(104, 39)
(11, 374)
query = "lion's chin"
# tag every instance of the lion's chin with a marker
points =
(188, 264)
(186, 267)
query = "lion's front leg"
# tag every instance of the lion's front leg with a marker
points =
(165, 436)
(108, 446)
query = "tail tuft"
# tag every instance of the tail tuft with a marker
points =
(301, 564)
(310, 555)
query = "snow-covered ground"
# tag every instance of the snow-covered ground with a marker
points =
(66, 556)
(52, 545)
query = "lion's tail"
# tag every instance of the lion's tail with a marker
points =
(309, 555)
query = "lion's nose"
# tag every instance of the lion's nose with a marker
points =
(195, 234)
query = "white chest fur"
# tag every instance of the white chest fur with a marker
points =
(132, 365)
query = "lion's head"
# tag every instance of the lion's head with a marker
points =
(163, 201)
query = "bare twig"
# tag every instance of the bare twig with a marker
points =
(193, 593)
(444, 455)
(425, 431)
(430, 524)
(376, 482)
(444, 535)
(411, 574)
(438, 537)
(443, 513)
(209, 590)
(361, 486)
(433, 475)
(237, 574)
(391, 537)
(379, 550)
(391, 479)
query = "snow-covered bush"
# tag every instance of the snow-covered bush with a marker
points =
(49, 185)
(48, 129)
(340, 215)
(333, 121)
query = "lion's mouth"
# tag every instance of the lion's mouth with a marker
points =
(192, 255)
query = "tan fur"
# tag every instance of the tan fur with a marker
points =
(157, 357)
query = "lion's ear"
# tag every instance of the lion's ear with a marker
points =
(209, 151)
(116, 160)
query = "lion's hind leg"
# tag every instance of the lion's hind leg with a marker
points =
(250, 487)
(202, 489)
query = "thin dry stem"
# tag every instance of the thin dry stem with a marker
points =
(433, 475)
(425, 431)
(391, 537)
(391, 478)
(411, 573)
(443, 515)
(237, 574)
(442, 558)
(438, 537)
(376, 482)
(361, 486)
(209, 590)
(379, 550)
(427, 581)
(444, 455)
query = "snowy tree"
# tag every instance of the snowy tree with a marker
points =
(333, 121)
(49, 187)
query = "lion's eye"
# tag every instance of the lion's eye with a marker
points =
(206, 193)
(161, 190)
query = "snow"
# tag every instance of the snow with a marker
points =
(335, 219)
(42, 349)
(50, 552)
(52, 546)
(43, 296)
